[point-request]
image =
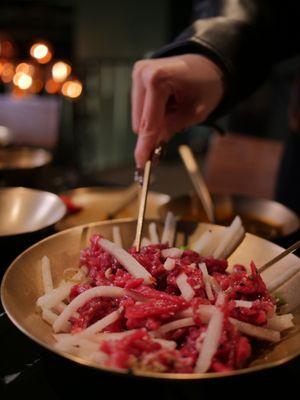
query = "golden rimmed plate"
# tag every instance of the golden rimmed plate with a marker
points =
(96, 203)
(22, 285)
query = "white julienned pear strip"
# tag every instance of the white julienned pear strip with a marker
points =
(236, 239)
(215, 285)
(79, 275)
(126, 260)
(185, 288)
(67, 347)
(228, 236)
(211, 341)
(166, 344)
(169, 230)
(243, 303)
(102, 323)
(170, 326)
(256, 331)
(145, 242)
(62, 336)
(281, 322)
(220, 299)
(54, 297)
(59, 308)
(207, 243)
(117, 236)
(169, 264)
(202, 242)
(80, 300)
(77, 346)
(206, 280)
(173, 252)
(205, 312)
(188, 312)
(99, 357)
(281, 278)
(47, 275)
(100, 337)
(69, 270)
(49, 316)
(69, 338)
(153, 233)
(86, 348)
(269, 333)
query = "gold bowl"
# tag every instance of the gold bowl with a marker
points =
(97, 202)
(22, 157)
(266, 218)
(22, 285)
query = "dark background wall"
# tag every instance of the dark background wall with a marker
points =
(102, 39)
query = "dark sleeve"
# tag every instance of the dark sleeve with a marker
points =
(244, 38)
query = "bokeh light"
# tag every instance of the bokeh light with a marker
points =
(72, 89)
(7, 49)
(7, 72)
(25, 68)
(36, 87)
(52, 87)
(22, 80)
(37, 73)
(41, 52)
(60, 71)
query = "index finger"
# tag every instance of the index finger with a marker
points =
(152, 124)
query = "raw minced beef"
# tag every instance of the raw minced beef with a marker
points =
(154, 305)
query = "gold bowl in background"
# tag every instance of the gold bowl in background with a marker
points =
(266, 218)
(97, 202)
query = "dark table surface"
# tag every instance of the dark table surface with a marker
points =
(27, 371)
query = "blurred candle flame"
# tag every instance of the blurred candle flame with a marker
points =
(37, 86)
(41, 52)
(7, 72)
(25, 68)
(72, 89)
(22, 80)
(52, 87)
(60, 71)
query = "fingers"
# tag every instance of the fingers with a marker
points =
(170, 94)
(137, 96)
(151, 124)
(157, 94)
(145, 144)
(183, 118)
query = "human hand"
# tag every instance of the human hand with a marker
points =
(170, 94)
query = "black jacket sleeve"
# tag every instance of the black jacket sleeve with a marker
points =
(244, 37)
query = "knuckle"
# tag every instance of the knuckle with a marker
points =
(156, 76)
(137, 68)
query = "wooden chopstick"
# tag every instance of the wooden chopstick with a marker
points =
(197, 179)
(142, 207)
